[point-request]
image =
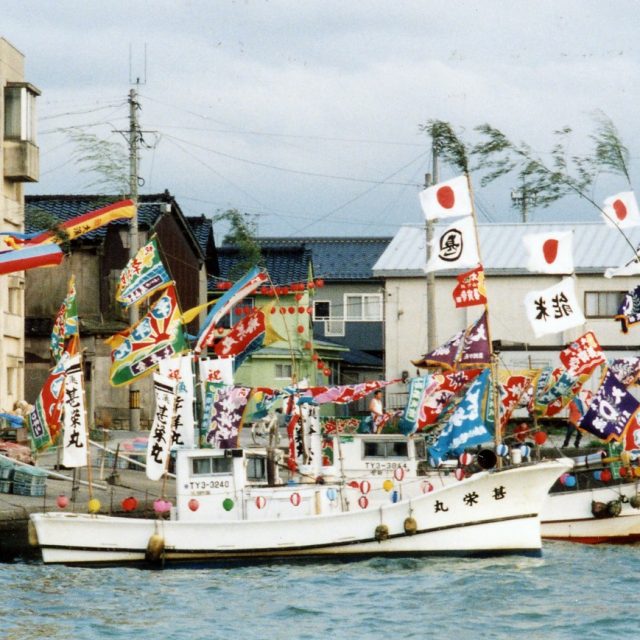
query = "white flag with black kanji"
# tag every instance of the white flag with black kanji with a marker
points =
(454, 247)
(554, 309)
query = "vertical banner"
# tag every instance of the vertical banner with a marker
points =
(180, 370)
(74, 427)
(160, 438)
(216, 370)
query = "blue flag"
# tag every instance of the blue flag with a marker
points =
(470, 424)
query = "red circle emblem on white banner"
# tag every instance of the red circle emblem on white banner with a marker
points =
(295, 499)
(365, 486)
(261, 501)
(426, 486)
(363, 502)
(398, 474)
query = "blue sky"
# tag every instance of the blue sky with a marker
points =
(306, 114)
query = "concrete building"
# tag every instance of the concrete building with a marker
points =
(595, 247)
(19, 163)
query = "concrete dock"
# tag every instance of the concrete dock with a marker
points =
(109, 483)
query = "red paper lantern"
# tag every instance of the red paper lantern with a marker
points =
(623, 472)
(521, 431)
(540, 437)
(363, 502)
(298, 297)
(301, 309)
(194, 505)
(605, 476)
(62, 501)
(295, 499)
(285, 291)
(300, 329)
(319, 283)
(307, 345)
(292, 309)
(309, 310)
(314, 357)
(398, 474)
(261, 502)
(327, 372)
(320, 365)
(273, 309)
(283, 310)
(459, 474)
(365, 486)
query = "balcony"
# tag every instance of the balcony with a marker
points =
(21, 161)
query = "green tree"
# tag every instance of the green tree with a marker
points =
(242, 234)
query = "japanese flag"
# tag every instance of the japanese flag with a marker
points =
(454, 247)
(554, 309)
(621, 210)
(450, 199)
(550, 252)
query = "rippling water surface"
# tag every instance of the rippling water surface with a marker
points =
(573, 591)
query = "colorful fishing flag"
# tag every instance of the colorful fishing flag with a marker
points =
(435, 403)
(470, 289)
(554, 309)
(180, 369)
(159, 335)
(621, 210)
(346, 393)
(629, 309)
(65, 324)
(512, 388)
(450, 199)
(78, 226)
(74, 424)
(250, 334)
(45, 418)
(455, 247)
(553, 393)
(242, 288)
(550, 252)
(468, 348)
(632, 435)
(627, 370)
(579, 405)
(469, 424)
(419, 387)
(476, 350)
(228, 405)
(30, 258)
(143, 275)
(611, 410)
(583, 355)
(160, 437)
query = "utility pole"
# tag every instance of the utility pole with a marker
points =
(134, 243)
(429, 180)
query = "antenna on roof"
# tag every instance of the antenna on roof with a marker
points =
(137, 80)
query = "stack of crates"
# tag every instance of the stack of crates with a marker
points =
(29, 481)
(6, 475)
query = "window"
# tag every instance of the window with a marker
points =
(20, 111)
(14, 303)
(209, 466)
(283, 371)
(602, 304)
(256, 468)
(385, 449)
(238, 312)
(321, 309)
(365, 307)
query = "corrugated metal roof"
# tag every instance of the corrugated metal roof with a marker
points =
(595, 247)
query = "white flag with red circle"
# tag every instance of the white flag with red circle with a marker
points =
(621, 210)
(450, 199)
(550, 252)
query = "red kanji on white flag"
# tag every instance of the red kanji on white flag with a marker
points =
(549, 252)
(450, 199)
(621, 210)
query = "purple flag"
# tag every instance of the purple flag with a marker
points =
(476, 350)
(629, 310)
(444, 356)
(627, 370)
(610, 411)
(227, 412)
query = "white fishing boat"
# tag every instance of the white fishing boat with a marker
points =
(226, 511)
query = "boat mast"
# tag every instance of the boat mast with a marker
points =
(429, 180)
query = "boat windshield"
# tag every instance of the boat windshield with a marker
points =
(385, 449)
(210, 466)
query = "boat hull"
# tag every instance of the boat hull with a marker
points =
(568, 516)
(489, 513)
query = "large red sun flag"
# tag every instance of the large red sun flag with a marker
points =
(550, 252)
(621, 210)
(450, 199)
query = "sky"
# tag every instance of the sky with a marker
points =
(306, 115)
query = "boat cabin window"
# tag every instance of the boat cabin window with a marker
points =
(385, 449)
(256, 468)
(210, 466)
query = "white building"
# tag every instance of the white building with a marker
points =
(19, 163)
(595, 247)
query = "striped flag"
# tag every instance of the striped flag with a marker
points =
(30, 258)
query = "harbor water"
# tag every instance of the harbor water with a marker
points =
(572, 591)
